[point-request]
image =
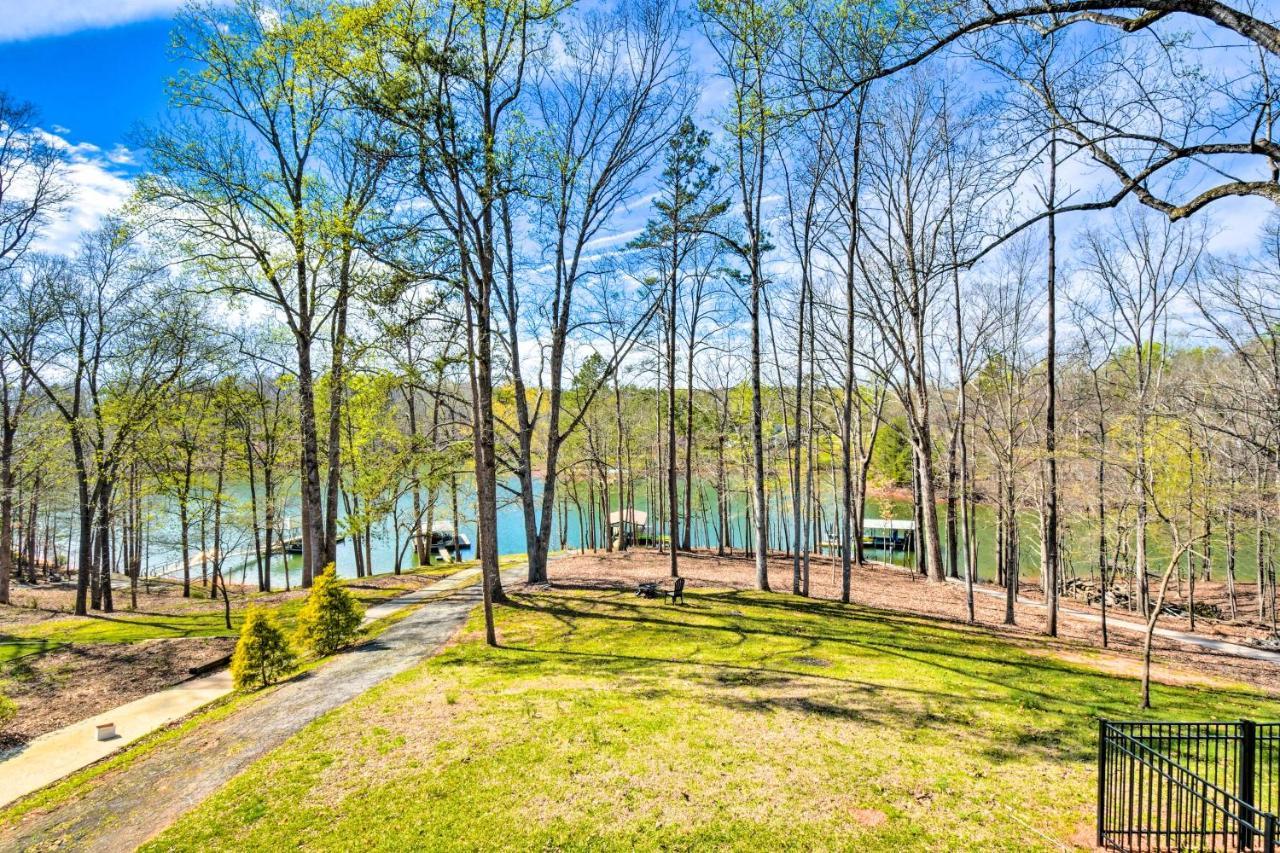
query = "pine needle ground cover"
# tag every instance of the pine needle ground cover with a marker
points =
(743, 720)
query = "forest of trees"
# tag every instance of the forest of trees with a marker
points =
(748, 265)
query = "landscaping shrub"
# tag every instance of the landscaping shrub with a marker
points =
(331, 617)
(263, 653)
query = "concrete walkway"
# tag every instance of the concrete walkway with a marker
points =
(457, 580)
(46, 759)
(123, 809)
(1212, 644)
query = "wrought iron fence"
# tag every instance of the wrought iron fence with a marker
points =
(1188, 786)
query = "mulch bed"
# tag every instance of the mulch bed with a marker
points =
(79, 680)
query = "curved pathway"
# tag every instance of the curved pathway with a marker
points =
(1225, 647)
(123, 809)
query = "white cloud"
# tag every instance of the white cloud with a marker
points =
(122, 156)
(99, 187)
(24, 19)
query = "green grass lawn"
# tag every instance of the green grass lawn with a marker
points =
(126, 626)
(12, 648)
(744, 720)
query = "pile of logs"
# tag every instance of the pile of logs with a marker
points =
(1089, 590)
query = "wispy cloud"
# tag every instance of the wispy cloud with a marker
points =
(20, 20)
(99, 186)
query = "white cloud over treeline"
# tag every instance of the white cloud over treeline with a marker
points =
(99, 186)
(28, 19)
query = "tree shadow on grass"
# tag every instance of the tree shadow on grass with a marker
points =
(172, 630)
(913, 637)
(900, 709)
(1018, 679)
(921, 653)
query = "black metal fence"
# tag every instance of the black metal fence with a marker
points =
(1188, 786)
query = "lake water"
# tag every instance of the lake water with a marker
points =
(163, 550)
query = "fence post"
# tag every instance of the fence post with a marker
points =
(1102, 776)
(1269, 827)
(1244, 783)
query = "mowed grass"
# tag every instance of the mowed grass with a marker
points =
(742, 721)
(12, 649)
(199, 616)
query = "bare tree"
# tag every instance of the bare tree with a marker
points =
(32, 179)
(1239, 302)
(31, 189)
(747, 36)
(607, 104)
(1141, 266)
(1151, 110)
(247, 179)
(920, 164)
(112, 337)
(675, 240)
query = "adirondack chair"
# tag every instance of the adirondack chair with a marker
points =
(677, 591)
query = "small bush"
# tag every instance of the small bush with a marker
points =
(263, 653)
(8, 710)
(331, 617)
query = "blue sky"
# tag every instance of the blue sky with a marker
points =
(96, 69)
(95, 83)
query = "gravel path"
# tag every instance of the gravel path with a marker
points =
(123, 809)
(1224, 646)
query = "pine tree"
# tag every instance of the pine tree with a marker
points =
(331, 617)
(263, 653)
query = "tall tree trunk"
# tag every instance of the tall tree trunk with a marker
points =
(480, 346)
(928, 499)
(269, 522)
(105, 492)
(851, 536)
(7, 433)
(313, 522)
(218, 557)
(1050, 569)
(337, 392)
(761, 508)
(673, 505)
(797, 519)
(253, 505)
(420, 557)
(688, 440)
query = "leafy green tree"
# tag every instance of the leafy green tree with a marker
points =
(891, 458)
(331, 617)
(263, 653)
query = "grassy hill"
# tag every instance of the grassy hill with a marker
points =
(744, 720)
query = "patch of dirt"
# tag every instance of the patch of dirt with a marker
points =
(868, 817)
(902, 590)
(57, 688)
(1085, 837)
(407, 583)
